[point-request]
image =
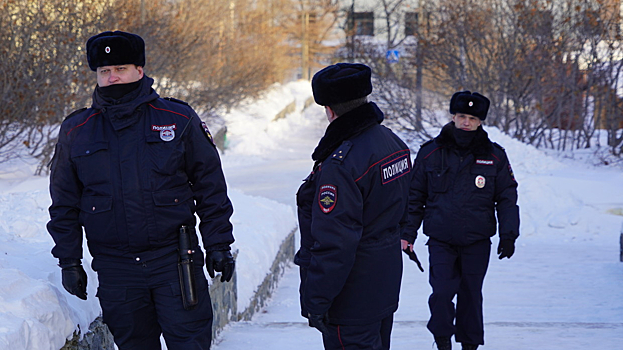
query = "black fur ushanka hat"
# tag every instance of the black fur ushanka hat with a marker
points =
(115, 48)
(341, 82)
(469, 103)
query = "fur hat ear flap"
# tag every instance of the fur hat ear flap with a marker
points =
(341, 82)
(470, 103)
(115, 48)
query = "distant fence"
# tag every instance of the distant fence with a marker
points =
(290, 108)
(308, 102)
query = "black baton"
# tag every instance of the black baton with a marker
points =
(413, 257)
(186, 270)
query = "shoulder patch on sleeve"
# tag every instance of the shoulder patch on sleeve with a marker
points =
(327, 198)
(207, 131)
(77, 111)
(510, 170)
(172, 99)
(340, 153)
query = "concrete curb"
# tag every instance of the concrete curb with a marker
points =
(264, 291)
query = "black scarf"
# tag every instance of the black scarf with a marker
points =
(122, 111)
(464, 138)
(479, 143)
(345, 127)
(117, 91)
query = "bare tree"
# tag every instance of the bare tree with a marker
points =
(212, 54)
(550, 68)
(308, 25)
(40, 73)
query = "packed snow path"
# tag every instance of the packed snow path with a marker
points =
(562, 290)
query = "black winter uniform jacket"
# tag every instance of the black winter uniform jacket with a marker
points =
(352, 209)
(456, 194)
(131, 173)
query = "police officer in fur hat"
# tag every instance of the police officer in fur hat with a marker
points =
(132, 171)
(461, 180)
(352, 208)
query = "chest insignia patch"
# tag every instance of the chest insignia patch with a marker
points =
(167, 132)
(327, 198)
(484, 162)
(480, 181)
(394, 169)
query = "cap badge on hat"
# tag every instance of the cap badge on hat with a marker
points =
(480, 181)
(471, 103)
(107, 49)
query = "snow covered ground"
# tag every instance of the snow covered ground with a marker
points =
(563, 288)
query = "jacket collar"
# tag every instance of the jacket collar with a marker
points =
(121, 111)
(345, 127)
(481, 144)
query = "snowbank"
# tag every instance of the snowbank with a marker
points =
(35, 310)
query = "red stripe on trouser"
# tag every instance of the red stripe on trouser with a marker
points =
(340, 337)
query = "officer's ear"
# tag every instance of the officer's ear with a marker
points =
(331, 116)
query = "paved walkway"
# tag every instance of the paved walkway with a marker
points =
(531, 320)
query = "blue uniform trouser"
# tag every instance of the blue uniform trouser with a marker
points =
(457, 271)
(142, 300)
(373, 336)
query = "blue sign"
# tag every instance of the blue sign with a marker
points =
(392, 56)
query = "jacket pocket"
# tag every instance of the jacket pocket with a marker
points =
(302, 258)
(166, 157)
(483, 181)
(96, 215)
(172, 208)
(109, 294)
(438, 179)
(92, 163)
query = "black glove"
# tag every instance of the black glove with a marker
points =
(506, 248)
(220, 261)
(74, 278)
(319, 322)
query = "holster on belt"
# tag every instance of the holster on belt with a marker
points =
(186, 270)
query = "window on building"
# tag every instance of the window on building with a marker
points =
(411, 23)
(361, 23)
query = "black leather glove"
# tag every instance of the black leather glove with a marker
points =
(506, 248)
(74, 278)
(319, 322)
(220, 261)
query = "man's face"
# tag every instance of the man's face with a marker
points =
(466, 122)
(119, 74)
